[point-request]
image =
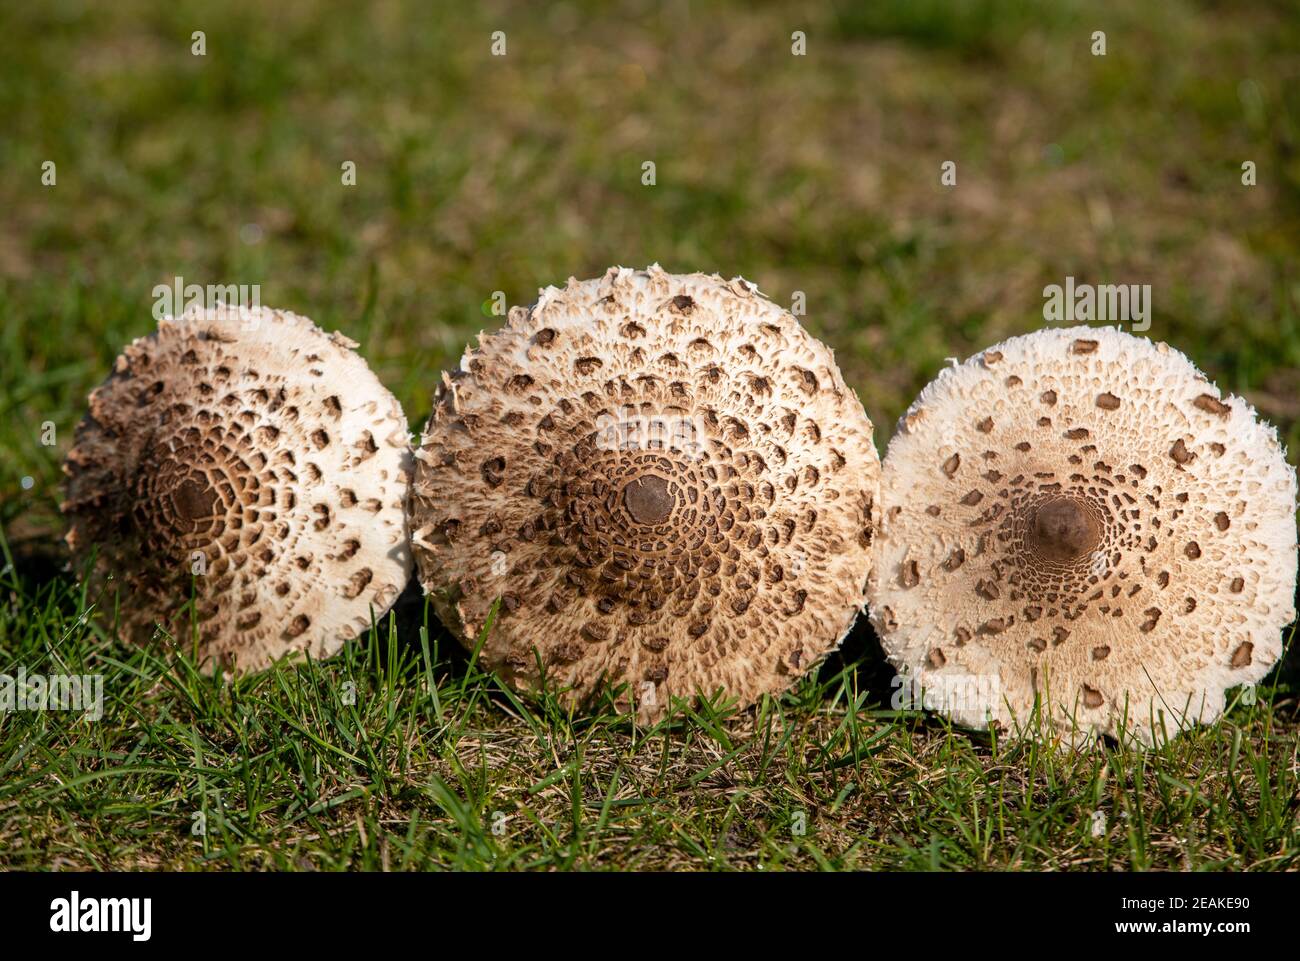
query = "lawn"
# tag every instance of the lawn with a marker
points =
(817, 176)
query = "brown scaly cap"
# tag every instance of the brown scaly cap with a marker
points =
(665, 481)
(261, 451)
(1078, 515)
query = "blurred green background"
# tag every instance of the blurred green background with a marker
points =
(476, 173)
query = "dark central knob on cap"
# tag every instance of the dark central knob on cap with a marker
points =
(194, 500)
(648, 500)
(1064, 530)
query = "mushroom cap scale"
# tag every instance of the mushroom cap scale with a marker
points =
(1079, 516)
(251, 458)
(663, 479)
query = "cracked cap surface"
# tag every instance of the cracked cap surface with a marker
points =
(255, 457)
(1079, 515)
(665, 481)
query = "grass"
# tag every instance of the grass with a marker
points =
(817, 174)
(400, 754)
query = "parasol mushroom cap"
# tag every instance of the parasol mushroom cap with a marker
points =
(1078, 515)
(665, 481)
(254, 459)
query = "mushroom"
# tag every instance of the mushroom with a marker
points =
(662, 480)
(1077, 518)
(252, 461)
